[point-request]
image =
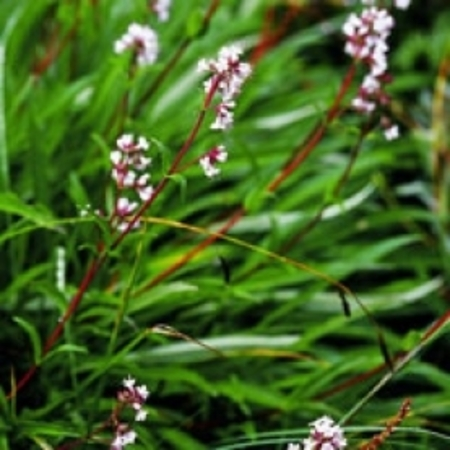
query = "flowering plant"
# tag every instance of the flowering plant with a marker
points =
(242, 205)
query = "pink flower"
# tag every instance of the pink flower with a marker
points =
(402, 4)
(391, 133)
(142, 40)
(130, 396)
(228, 74)
(130, 163)
(209, 161)
(325, 435)
(366, 41)
(161, 8)
(123, 438)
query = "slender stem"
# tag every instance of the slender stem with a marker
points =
(174, 60)
(56, 46)
(441, 149)
(397, 367)
(299, 235)
(337, 188)
(290, 166)
(305, 149)
(237, 215)
(161, 77)
(101, 257)
(174, 166)
(51, 340)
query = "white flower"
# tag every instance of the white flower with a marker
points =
(125, 141)
(391, 133)
(209, 161)
(292, 446)
(141, 415)
(228, 74)
(122, 226)
(143, 392)
(129, 382)
(128, 172)
(124, 207)
(367, 34)
(224, 116)
(122, 439)
(161, 8)
(142, 162)
(142, 40)
(370, 84)
(129, 179)
(143, 143)
(363, 105)
(115, 157)
(128, 438)
(325, 435)
(145, 193)
(209, 170)
(402, 4)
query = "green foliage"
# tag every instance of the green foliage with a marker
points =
(244, 341)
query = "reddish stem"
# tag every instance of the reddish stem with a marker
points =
(270, 37)
(174, 167)
(174, 59)
(305, 149)
(290, 166)
(51, 340)
(54, 48)
(237, 215)
(100, 259)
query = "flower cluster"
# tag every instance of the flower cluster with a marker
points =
(134, 397)
(130, 163)
(366, 41)
(142, 40)
(208, 162)
(161, 8)
(325, 435)
(228, 73)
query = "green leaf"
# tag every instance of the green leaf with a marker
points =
(4, 164)
(13, 204)
(194, 24)
(33, 334)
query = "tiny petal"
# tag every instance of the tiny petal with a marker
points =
(161, 8)
(143, 392)
(115, 157)
(143, 144)
(203, 65)
(128, 438)
(143, 40)
(129, 382)
(125, 141)
(209, 170)
(141, 415)
(402, 4)
(129, 179)
(325, 435)
(124, 207)
(145, 193)
(391, 133)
